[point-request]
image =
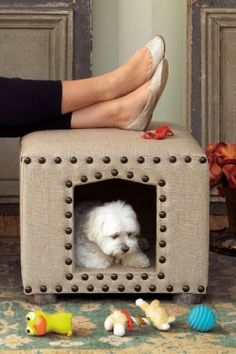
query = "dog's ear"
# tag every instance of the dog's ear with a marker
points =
(94, 226)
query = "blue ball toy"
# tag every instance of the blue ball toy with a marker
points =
(201, 318)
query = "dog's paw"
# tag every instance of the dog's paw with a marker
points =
(137, 260)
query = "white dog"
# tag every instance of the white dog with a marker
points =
(107, 234)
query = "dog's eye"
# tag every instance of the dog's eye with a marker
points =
(129, 234)
(115, 236)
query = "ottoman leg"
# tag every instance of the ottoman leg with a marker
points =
(188, 299)
(42, 299)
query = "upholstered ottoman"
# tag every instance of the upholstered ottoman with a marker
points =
(166, 181)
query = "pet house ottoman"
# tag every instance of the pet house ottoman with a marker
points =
(166, 182)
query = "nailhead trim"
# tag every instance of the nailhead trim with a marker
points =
(83, 179)
(170, 288)
(156, 159)
(124, 159)
(68, 261)
(152, 287)
(162, 243)
(42, 160)
(68, 215)
(161, 275)
(172, 159)
(121, 288)
(105, 288)
(114, 172)
(162, 214)
(129, 276)
(89, 159)
(57, 160)
(162, 198)
(43, 289)
(203, 159)
(98, 175)
(187, 159)
(68, 246)
(68, 200)
(58, 288)
(130, 175)
(69, 276)
(186, 288)
(90, 288)
(68, 230)
(68, 184)
(145, 178)
(114, 276)
(74, 288)
(144, 276)
(106, 159)
(73, 159)
(27, 160)
(137, 288)
(163, 228)
(28, 289)
(201, 289)
(141, 159)
(161, 183)
(162, 259)
(100, 276)
(84, 276)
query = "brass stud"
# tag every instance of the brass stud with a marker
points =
(201, 289)
(68, 230)
(170, 288)
(43, 289)
(162, 243)
(130, 175)
(73, 159)
(69, 276)
(28, 289)
(129, 276)
(161, 183)
(27, 160)
(106, 159)
(84, 276)
(186, 288)
(140, 159)
(114, 172)
(121, 288)
(42, 160)
(161, 275)
(203, 159)
(98, 175)
(152, 287)
(172, 159)
(68, 215)
(144, 276)
(89, 159)
(156, 159)
(90, 288)
(187, 159)
(163, 228)
(57, 160)
(100, 276)
(124, 159)
(83, 179)
(162, 259)
(74, 288)
(137, 288)
(68, 261)
(145, 178)
(58, 288)
(105, 288)
(114, 276)
(68, 200)
(68, 246)
(68, 184)
(162, 214)
(162, 198)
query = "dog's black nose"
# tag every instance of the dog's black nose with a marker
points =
(125, 249)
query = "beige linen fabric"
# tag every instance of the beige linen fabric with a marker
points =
(47, 185)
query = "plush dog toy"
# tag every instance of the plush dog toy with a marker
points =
(156, 315)
(39, 323)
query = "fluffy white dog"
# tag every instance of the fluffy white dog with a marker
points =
(107, 234)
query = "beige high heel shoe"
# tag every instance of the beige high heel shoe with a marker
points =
(157, 86)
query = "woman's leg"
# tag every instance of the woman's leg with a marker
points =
(77, 94)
